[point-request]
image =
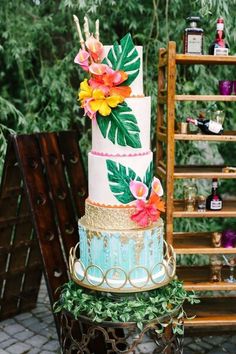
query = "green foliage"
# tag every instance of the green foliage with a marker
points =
(140, 307)
(119, 179)
(149, 177)
(120, 126)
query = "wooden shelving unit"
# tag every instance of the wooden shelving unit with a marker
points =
(197, 242)
(216, 312)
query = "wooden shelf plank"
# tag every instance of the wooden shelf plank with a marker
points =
(205, 59)
(229, 136)
(198, 278)
(229, 210)
(226, 98)
(212, 312)
(202, 172)
(197, 243)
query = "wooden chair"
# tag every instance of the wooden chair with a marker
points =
(42, 194)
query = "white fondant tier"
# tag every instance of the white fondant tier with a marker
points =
(141, 109)
(98, 182)
(137, 84)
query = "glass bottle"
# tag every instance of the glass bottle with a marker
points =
(193, 37)
(190, 195)
(219, 46)
(214, 200)
(207, 126)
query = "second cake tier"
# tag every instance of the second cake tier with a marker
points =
(109, 176)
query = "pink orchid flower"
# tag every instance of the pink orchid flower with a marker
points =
(95, 49)
(145, 213)
(82, 58)
(157, 187)
(138, 189)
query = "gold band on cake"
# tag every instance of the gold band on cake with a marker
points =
(106, 217)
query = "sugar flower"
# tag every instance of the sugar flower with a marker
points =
(85, 90)
(138, 189)
(82, 58)
(97, 69)
(102, 104)
(95, 48)
(145, 213)
(157, 187)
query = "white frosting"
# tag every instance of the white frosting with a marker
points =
(141, 109)
(137, 84)
(98, 183)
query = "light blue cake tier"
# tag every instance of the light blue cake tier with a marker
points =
(120, 260)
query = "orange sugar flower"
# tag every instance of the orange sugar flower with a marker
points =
(157, 201)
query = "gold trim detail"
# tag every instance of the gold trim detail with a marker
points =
(109, 218)
(167, 273)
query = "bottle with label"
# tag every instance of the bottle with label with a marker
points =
(214, 200)
(219, 46)
(207, 126)
(193, 37)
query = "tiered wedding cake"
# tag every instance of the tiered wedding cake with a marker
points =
(121, 233)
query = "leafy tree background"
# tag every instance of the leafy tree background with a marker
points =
(39, 81)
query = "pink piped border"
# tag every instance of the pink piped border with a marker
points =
(119, 155)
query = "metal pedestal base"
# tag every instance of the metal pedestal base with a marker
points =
(83, 336)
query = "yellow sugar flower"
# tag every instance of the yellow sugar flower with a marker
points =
(85, 90)
(102, 104)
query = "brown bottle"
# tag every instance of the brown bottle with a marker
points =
(193, 37)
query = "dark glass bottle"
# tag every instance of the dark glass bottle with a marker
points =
(214, 201)
(219, 46)
(207, 126)
(193, 37)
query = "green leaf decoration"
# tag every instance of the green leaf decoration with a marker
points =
(120, 127)
(148, 176)
(134, 308)
(119, 178)
(124, 57)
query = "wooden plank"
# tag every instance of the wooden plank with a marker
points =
(198, 278)
(189, 59)
(227, 136)
(204, 172)
(69, 146)
(228, 210)
(212, 312)
(170, 146)
(42, 209)
(61, 196)
(226, 98)
(197, 243)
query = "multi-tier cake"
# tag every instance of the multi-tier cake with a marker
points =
(121, 234)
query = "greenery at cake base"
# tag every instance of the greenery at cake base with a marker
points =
(141, 307)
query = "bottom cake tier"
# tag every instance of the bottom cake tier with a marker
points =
(122, 260)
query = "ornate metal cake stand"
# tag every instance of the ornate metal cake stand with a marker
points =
(82, 336)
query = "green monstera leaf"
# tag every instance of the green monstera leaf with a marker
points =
(124, 57)
(119, 178)
(149, 176)
(120, 127)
